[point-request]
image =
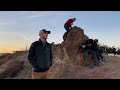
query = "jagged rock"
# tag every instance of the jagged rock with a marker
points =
(59, 64)
(68, 54)
(10, 68)
(72, 44)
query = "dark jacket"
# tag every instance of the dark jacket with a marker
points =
(94, 47)
(40, 56)
(86, 42)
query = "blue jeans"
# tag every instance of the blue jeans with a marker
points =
(99, 55)
(87, 59)
(67, 29)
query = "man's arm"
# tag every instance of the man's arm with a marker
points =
(71, 23)
(31, 55)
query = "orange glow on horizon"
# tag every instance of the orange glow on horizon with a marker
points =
(9, 48)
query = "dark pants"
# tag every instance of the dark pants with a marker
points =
(114, 53)
(67, 29)
(99, 55)
(87, 59)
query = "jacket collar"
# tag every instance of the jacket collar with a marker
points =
(41, 42)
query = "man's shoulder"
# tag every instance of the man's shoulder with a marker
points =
(49, 43)
(70, 19)
(36, 42)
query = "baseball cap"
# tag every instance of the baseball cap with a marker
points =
(96, 40)
(90, 40)
(44, 31)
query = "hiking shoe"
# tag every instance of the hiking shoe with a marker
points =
(100, 61)
(91, 67)
(96, 65)
(86, 64)
(103, 62)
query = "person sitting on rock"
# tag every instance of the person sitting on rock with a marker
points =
(94, 48)
(68, 25)
(86, 45)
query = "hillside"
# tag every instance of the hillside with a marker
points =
(109, 70)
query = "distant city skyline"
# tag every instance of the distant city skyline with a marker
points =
(21, 28)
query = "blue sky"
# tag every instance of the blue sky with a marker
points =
(20, 28)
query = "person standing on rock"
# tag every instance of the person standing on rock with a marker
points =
(68, 25)
(40, 56)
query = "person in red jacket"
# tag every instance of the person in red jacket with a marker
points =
(68, 25)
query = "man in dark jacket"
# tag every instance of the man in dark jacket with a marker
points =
(40, 56)
(68, 25)
(86, 45)
(94, 47)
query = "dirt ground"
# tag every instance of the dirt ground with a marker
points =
(109, 70)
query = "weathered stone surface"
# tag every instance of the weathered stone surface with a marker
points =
(10, 68)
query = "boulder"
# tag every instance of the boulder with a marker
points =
(11, 68)
(68, 54)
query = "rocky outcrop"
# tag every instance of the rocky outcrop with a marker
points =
(72, 45)
(68, 54)
(59, 64)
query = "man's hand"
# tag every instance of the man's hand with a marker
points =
(84, 46)
(70, 27)
(89, 44)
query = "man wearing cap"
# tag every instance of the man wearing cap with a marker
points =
(40, 56)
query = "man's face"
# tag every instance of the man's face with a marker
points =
(44, 35)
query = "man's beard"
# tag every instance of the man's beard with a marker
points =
(44, 38)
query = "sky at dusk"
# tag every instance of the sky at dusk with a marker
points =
(21, 28)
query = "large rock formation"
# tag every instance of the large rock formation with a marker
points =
(72, 45)
(68, 54)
